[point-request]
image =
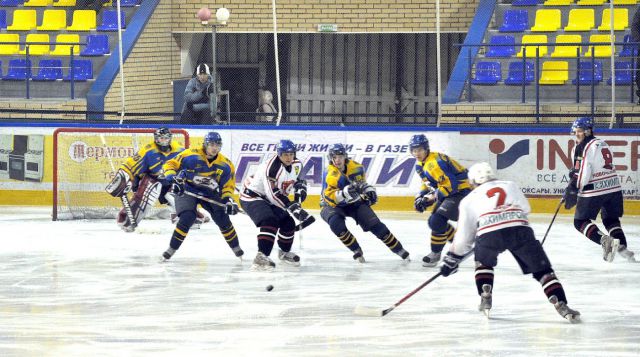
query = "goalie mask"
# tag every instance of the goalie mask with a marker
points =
(480, 173)
(162, 138)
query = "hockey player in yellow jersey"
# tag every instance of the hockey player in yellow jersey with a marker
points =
(345, 193)
(140, 174)
(445, 184)
(198, 176)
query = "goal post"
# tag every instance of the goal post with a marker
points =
(85, 161)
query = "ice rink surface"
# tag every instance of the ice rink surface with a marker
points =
(82, 288)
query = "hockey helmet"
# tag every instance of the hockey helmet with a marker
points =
(336, 149)
(480, 173)
(419, 141)
(212, 137)
(162, 138)
(583, 123)
(285, 146)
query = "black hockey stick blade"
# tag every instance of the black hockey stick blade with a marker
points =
(306, 223)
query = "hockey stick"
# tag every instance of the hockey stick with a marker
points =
(552, 220)
(368, 311)
(127, 209)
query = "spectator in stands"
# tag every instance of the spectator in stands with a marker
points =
(635, 37)
(196, 108)
(265, 98)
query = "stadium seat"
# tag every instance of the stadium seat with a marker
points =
(591, 2)
(507, 48)
(53, 20)
(547, 20)
(487, 73)
(82, 71)
(11, 3)
(525, 2)
(516, 75)
(40, 3)
(620, 20)
(601, 50)
(23, 20)
(628, 50)
(68, 3)
(515, 21)
(83, 20)
(558, 2)
(37, 50)
(554, 73)
(97, 45)
(127, 3)
(588, 73)
(531, 50)
(3, 19)
(9, 49)
(19, 70)
(110, 20)
(624, 73)
(48, 70)
(625, 2)
(581, 20)
(567, 51)
(65, 50)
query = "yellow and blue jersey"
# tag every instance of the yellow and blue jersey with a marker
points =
(149, 160)
(203, 176)
(444, 174)
(335, 180)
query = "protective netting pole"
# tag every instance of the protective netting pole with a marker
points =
(613, 66)
(439, 75)
(275, 49)
(121, 59)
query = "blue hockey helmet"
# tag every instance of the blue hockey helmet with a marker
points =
(336, 149)
(583, 123)
(162, 138)
(419, 141)
(212, 137)
(285, 146)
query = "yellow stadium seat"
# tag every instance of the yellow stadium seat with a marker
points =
(9, 49)
(37, 50)
(591, 2)
(625, 2)
(65, 3)
(38, 3)
(53, 20)
(547, 21)
(83, 20)
(554, 73)
(531, 50)
(581, 20)
(620, 20)
(558, 2)
(602, 50)
(65, 50)
(23, 20)
(567, 51)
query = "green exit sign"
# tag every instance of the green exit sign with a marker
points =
(327, 28)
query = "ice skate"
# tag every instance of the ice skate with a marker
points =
(357, 256)
(167, 254)
(431, 259)
(238, 252)
(486, 300)
(626, 253)
(262, 263)
(565, 311)
(609, 247)
(404, 255)
(289, 258)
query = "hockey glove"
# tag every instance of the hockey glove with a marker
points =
(298, 212)
(350, 193)
(120, 184)
(570, 195)
(231, 207)
(450, 264)
(369, 193)
(424, 201)
(300, 191)
(177, 184)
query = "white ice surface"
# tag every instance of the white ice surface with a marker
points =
(81, 288)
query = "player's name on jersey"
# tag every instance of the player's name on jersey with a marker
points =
(492, 218)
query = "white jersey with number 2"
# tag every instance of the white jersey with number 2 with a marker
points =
(489, 207)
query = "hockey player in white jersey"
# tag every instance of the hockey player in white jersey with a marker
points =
(494, 217)
(265, 198)
(594, 187)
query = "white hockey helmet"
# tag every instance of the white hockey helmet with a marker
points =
(480, 173)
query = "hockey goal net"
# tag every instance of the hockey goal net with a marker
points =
(85, 161)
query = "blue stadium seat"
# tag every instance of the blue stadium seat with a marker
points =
(82, 71)
(515, 75)
(487, 73)
(628, 50)
(97, 45)
(501, 51)
(525, 2)
(624, 73)
(110, 20)
(3, 19)
(49, 70)
(19, 70)
(11, 3)
(589, 72)
(126, 3)
(515, 21)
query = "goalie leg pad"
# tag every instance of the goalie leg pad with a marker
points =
(120, 185)
(144, 199)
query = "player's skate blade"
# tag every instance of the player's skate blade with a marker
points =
(486, 300)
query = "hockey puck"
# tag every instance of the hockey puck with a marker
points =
(269, 287)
